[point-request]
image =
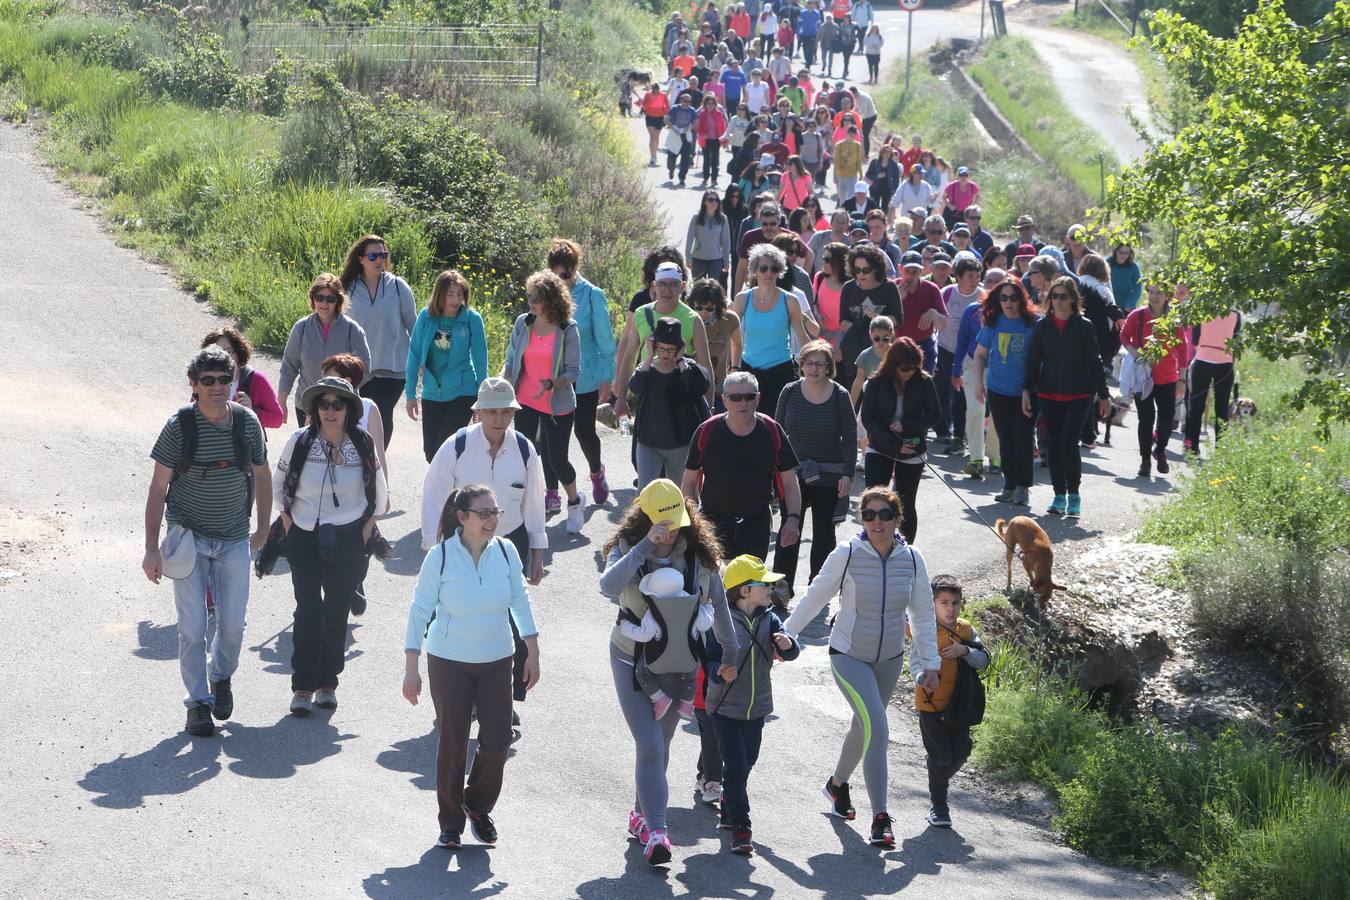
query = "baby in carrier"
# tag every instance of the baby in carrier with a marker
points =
(665, 668)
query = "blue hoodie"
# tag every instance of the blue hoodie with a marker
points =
(597, 335)
(447, 372)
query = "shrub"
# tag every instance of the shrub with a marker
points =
(1303, 853)
(197, 71)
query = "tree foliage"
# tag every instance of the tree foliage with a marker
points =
(1256, 186)
(1224, 17)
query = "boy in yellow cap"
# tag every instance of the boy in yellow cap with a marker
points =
(739, 707)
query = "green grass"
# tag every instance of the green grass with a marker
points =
(1238, 812)
(1019, 85)
(1011, 183)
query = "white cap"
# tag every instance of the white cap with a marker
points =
(669, 271)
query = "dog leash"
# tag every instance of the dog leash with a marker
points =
(941, 476)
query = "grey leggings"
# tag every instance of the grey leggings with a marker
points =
(867, 687)
(651, 460)
(652, 740)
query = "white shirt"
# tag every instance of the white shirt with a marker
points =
(756, 97)
(519, 486)
(319, 483)
(367, 405)
(768, 24)
(780, 67)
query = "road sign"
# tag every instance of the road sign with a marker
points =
(911, 5)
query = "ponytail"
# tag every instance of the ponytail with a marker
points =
(459, 501)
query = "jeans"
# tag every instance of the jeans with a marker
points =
(685, 158)
(442, 418)
(1016, 438)
(980, 442)
(711, 153)
(808, 49)
(845, 185)
(716, 269)
(873, 65)
(738, 741)
(323, 598)
(551, 434)
(879, 469)
(225, 564)
(820, 500)
(951, 402)
(653, 464)
(386, 391)
(947, 749)
(1064, 424)
(827, 59)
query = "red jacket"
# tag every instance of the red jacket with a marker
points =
(655, 103)
(710, 127)
(1135, 333)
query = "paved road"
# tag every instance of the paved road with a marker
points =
(104, 795)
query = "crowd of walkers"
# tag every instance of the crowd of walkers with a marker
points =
(779, 358)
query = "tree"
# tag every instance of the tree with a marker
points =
(1223, 17)
(1256, 188)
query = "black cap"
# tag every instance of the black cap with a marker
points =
(911, 258)
(667, 331)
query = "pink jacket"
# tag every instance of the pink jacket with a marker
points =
(710, 127)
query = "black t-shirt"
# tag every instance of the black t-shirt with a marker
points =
(640, 299)
(656, 425)
(853, 300)
(738, 472)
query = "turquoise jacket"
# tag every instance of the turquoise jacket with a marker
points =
(597, 335)
(468, 356)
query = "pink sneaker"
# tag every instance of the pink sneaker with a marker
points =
(552, 503)
(637, 827)
(661, 706)
(658, 848)
(599, 487)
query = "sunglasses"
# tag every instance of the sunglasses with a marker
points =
(1009, 298)
(908, 369)
(326, 405)
(882, 339)
(377, 255)
(740, 398)
(491, 512)
(885, 515)
(704, 307)
(863, 270)
(773, 269)
(756, 584)
(213, 380)
(1060, 295)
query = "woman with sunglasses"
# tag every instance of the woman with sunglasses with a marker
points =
(880, 582)
(769, 318)
(469, 591)
(316, 337)
(1007, 317)
(383, 305)
(329, 487)
(1063, 377)
(868, 294)
(734, 208)
(707, 243)
(708, 298)
(899, 405)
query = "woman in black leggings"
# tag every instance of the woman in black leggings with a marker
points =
(1157, 409)
(897, 443)
(1064, 376)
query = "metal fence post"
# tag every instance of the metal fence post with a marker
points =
(1101, 169)
(539, 56)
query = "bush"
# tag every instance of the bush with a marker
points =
(197, 71)
(1303, 854)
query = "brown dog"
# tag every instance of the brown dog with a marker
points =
(1038, 557)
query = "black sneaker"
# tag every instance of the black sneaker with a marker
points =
(882, 836)
(740, 842)
(1145, 468)
(481, 826)
(1160, 457)
(359, 601)
(199, 721)
(515, 719)
(448, 839)
(224, 704)
(841, 805)
(939, 816)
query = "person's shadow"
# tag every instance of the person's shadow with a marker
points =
(729, 875)
(164, 769)
(841, 874)
(433, 876)
(156, 641)
(278, 751)
(275, 652)
(407, 555)
(416, 756)
(639, 879)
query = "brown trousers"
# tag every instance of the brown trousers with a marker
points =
(456, 689)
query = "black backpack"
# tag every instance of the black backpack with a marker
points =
(187, 430)
(966, 706)
(461, 440)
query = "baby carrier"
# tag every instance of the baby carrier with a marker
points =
(669, 654)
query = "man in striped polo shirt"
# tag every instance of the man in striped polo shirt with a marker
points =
(207, 491)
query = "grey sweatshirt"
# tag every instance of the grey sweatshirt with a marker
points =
(709, 241)
(387, 319)
(306, 349)
(566, 362)
(750, 696)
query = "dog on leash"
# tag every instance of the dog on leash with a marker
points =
(1242, 411)
(1022, 533)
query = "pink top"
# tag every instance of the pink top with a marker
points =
(795, 190)
(1135, 333)
(1214, 337)
(958, 197)
(827, 302)
(536, 369)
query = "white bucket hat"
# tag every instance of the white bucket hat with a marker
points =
(178, 552)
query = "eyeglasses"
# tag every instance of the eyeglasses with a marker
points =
(325, 298)
(740, 398)
(885, 515)
(326, 405)
(814, 364)
(773, 269)
(970, 218)
(213, 380)
(882, 338)
(1060, 295)
(491, 512)
(377, 255)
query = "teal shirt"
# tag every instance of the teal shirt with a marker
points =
(449, 353)
(597, 335)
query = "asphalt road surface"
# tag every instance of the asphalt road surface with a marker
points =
(104, 795)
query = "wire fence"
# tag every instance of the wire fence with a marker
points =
(482, 54)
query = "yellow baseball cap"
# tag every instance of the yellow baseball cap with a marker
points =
(663, 502)
(748, 568)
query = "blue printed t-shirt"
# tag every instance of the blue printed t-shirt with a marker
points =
(1006, 342)
(732, 83)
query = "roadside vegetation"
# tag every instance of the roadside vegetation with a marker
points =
(249, 185)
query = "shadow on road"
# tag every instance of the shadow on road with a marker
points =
(408, 553)
(156, 641)
(639, 879)
(275, 652)
(417, 757)
(439, 872)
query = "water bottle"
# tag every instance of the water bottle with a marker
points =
(625, 425)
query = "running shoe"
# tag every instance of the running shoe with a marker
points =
(658, 849)
(686, 710)
(326, 698)
(1145, 468)
(1058, 505)
(224, 703)
(448, 839)
(199, 722)
(975, 469)
(740, 842)
(515, 719)
(939, 816)
(599, 487)
(712, 792)
(661, 706)
(576, 515)
(1160, 457)
(481, 826)
(957, 447)
(637, 827)
(302, 703)
(1004, 496)
(1021, 497)
(552, 503)
(1075, 507)
(882, 836)
(841, 804)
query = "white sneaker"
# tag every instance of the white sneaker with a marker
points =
(712, 792)
(302, 703)
(576, 515)
(325, 698)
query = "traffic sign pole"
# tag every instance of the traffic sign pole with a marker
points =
(909, 6)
